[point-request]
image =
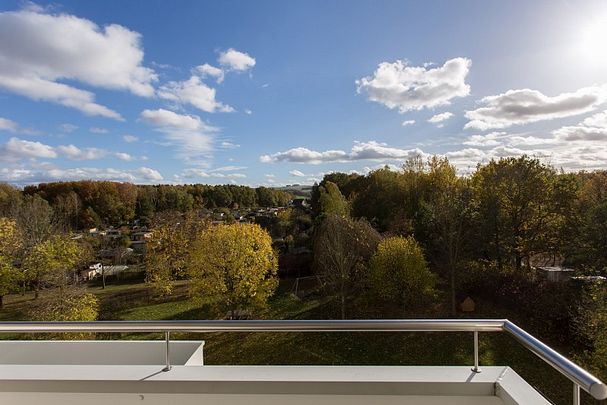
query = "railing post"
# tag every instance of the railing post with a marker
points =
(167, 353)
(476, 369)
(576, 394)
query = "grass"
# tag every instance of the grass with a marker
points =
(136, 301)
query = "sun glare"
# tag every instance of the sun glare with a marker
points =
(593, 44)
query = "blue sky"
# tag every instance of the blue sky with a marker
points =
(274, 92)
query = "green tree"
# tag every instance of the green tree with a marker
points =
(515, 199)
(341, 250)
(234, 266)
(10, 200)
(446, 214)
(332, 202)
(590, 325)
(400, 272)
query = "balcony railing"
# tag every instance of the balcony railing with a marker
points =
(577, 375)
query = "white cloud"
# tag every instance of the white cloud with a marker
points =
(597, 120)
(408, 122)
(195, 93)
(8, 125)
(297, 173)
(305, 155)
(229, 145)
(192, 173)
(68, 128)
(124, 156)
(228, 169)
(216, 173)
(440, 117)
(212, 71)
(192, 138)
(39, 49)
(12, 126)
(235, 60)
(148, 174)
(486, 140)
(516, 107)
(581, 133)
(130, 138)
(248, 112)
(97, 130)
(398, 85)
(360, 151)
(51, 173)
(44, 90)
(72, 152)
(593, 128)
(169, 119)
(16, 149)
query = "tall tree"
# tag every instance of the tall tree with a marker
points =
(514, 198)
(341, 250)
(234, 266)
(447, 216)
(332, 202)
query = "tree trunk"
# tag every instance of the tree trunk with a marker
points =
(342, 294)
(453, 301)
(1, 301)
(102, 277)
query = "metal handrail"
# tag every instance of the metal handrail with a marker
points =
(579, 376)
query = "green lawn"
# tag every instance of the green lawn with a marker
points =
(137, 301)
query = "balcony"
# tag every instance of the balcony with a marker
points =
(160, 372)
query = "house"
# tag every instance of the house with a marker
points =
(91, 272)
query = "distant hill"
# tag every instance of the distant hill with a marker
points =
(297, 190)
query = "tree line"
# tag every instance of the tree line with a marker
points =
(482, 236)
(88, 204)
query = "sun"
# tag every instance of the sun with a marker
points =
(593, 42)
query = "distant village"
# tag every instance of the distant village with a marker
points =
(122, 250)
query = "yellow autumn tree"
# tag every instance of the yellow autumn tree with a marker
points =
(233, 266)
(10, 244)
(52, 264)
(400, 272)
